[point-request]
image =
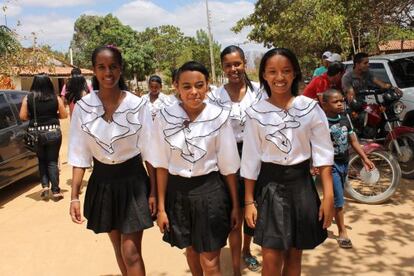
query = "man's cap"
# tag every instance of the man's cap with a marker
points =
(334, 58)
(326, 55)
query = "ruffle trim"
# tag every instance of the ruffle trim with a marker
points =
(226, 102)
(280, 120)
(124, 123)
(188, 137)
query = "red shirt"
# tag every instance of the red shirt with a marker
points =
(317, 86)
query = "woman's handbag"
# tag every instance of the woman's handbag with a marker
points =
(32, 134)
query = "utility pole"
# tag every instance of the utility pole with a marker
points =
(210, 43)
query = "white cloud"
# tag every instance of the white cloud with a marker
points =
(12, 9)
(192, 17)
(54, 3)
(51, 29)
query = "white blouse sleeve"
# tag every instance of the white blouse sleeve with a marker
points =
(144, 138)
(160, 152)
(251, 155)
(79, 153)
(228, 160)
(322, 148)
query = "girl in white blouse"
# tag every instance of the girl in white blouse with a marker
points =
(281, 134)
(193, 143)
(157, 100)
(111, 128)
(237, 95)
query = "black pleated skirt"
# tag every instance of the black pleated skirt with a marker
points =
(117, 197)
(198, 211)
(288, 207)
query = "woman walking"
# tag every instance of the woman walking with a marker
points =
(49, 108)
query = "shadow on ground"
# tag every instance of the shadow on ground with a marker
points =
(18, 188)
(392, 227)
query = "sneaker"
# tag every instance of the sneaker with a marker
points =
(45, 193)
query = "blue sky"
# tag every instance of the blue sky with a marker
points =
(52, 20)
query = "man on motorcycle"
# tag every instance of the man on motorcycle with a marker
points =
(360, 78)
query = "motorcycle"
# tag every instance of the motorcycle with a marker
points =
(379, 122)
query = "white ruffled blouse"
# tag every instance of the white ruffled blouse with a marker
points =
(221, 97)
(109, 142)
(194, 148)
(285, 137)
(162, 101)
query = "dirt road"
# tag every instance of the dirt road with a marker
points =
(38, 238)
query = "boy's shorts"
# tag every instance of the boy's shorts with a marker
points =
(339, 173)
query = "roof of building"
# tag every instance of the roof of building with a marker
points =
(393, 45)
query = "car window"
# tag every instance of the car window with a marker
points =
(378, 70)
(16, 98)
(403, 72)
(6, 115)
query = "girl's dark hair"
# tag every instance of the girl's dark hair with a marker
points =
(236, 49)
(293, 60)
(192, 66)
(75, 87)
(155, 78)
(118, 57)
(42, 87)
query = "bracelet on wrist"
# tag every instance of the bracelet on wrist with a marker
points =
(75, 200)
(250, 203)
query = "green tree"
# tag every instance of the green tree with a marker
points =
(310, 27)
(94, 31)
(201, 50)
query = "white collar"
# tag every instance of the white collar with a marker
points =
(186, 136)
(125, 119)
(278, 120)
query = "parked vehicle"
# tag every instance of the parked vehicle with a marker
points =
(397, 69)
(379, 122)
(16, 161)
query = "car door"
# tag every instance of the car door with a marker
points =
(8, 147)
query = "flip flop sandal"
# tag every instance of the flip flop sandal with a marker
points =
(251, 262)
(344, 243)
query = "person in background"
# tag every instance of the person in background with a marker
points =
(237, 95)
(76, 88)
(330, 79)
(74, 72)
(322, 69)
(360, 78)
(156, 99)
(111, 127)
(341, 135)
(281, 134)
(49, 109)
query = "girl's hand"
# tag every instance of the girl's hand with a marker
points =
(162, 221)
(326, 212)
(235, 218)
(369, 166)
(75, 213)
(250, 214)
(314, 171)
(152, 204)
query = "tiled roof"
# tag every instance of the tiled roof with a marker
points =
(53, 71)
(396, 45)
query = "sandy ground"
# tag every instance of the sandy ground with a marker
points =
(38, 238)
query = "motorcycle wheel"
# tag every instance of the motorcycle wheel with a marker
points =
(380, 191)
(406, 160)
